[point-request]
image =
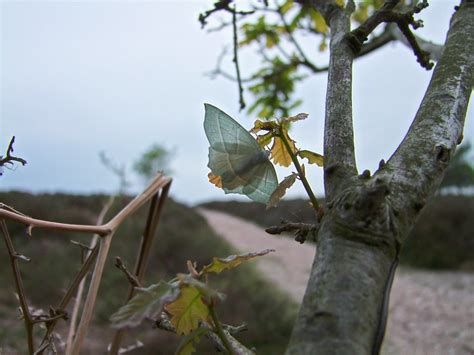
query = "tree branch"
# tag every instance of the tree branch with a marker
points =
(302, 231)
(357, 37)
(339, 156)
(417, 166)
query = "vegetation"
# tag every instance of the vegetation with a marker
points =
(183, 235)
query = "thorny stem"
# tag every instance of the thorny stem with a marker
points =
(19, 287)
(301, 174)
(219, 330)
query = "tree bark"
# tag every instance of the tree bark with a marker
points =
(368, 218)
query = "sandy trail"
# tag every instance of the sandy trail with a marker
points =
(431, 313)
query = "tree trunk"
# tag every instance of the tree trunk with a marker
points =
(368, 218)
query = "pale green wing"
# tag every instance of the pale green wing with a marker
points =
(262, 184)
(236, 157)
(227, 135)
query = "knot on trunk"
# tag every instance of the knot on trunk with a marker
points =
(363, 209)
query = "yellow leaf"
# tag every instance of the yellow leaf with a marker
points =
(281, 190)
(319, 22)
(215, 180)
(313, 158)
(188, 310)
(340, 3)
(219, 264)
(279, 152)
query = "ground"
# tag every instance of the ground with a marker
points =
(430, 312)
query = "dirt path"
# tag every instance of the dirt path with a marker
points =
(431, 313)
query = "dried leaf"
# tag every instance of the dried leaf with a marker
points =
(279, 152)
(298, 117)
(220, 264)
(147, 303)
(313, 158)
(215, 180)
(280, 191)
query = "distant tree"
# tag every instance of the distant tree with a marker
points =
(156, 158)
(366, 217)
(460, 171)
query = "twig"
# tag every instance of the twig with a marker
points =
(218, 329)
(9, 159)
(403, 20)
(302, 230)
(305, 61)
(236, 59)
(154, 214)
(132, 279)
(78, 280)
(218, 6)
(80, 289)
(27, 317)
(164, 323)
(301, 174)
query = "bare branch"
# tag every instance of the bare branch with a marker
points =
(417, 166)
(132, 279)
(10, 159)
(403, 20)
(27, 317)
(302, 231)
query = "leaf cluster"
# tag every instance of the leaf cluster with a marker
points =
(283, 151)
(276, 30)
(187, 300)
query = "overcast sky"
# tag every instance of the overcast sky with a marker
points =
(78, 78)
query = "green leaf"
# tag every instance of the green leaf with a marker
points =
(219, 264)
(186, 345)
(280, 191)
(313, 158)
(188, 310)
(147, 303)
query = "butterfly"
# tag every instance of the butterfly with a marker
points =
(236, 157)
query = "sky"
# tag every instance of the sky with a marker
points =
(81, 77)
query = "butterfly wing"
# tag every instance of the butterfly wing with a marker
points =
(236, 157)
(227, 135)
